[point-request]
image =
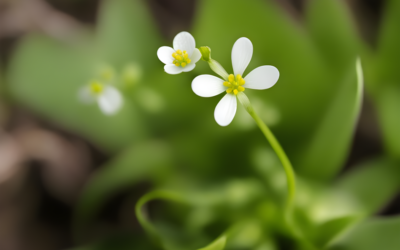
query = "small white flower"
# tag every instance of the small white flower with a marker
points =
(262, 77)
(183, 57)
(107, 97)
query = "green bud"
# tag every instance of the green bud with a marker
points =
(205, 53)
(214, 65)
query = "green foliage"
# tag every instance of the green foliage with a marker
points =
(372, 234)
(218, 244)
(385, 176)
(336, 127)
(384, 78)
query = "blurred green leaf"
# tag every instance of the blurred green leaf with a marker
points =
(148, 161)
(387, 104)
(384, 80)
(372, 184)
(388, 45)
(373, 234)
(332, 30)
(330, 230)
(328, 148)
(218, 244)
(126, 33)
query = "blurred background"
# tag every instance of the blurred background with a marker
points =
(70, 176)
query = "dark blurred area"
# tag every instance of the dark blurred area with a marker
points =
(43, 167)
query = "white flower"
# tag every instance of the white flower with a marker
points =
(181, 58)
(107, 97)
(262, 77)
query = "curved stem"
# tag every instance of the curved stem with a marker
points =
(290, 176)
(145, 223)
(287, 166)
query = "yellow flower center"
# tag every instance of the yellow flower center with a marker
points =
(181, 58)
(234, 84)
(96, 88)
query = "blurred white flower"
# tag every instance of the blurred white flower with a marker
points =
(181, 58)
(262, 77)
(107, 97)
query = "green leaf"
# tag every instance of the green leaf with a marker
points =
(218, 244)
(388, 45)
(373, 234)
(384, 79)
(328, 231)
(372, 184)
(139, 163)
(126, 32)
(333, 32)
(387, 103)
(327, 149)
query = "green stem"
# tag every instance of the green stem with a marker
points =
(290, 175)
(287, 166)
(146, 224)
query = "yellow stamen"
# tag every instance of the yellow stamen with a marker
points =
(234, 84)
(181, 58)
(227, 84)
(231, 78)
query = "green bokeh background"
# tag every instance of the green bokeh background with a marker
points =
(166, 135)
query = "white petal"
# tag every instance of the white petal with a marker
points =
(225, 110)
(195, 56)
(184, 41)
(263, 77)
(207, 85)
(189, 67)
(242, 52)
(172, 69)
(85, 95)
(110, 101)
(164, 53)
